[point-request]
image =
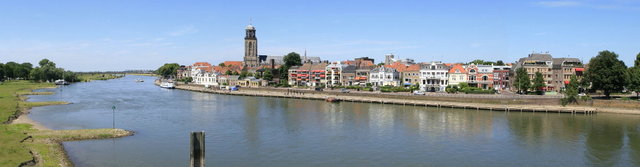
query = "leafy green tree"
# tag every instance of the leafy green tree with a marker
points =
(633, 83)
(292, 59)
(380, 64)
(168, 70)
(571, 91)
(522, 81)
(69, 76)
(10, 69)
(243, 74)
(607, 73)
(2, 73)
(222, 65)
(267, 75)
(500, 63)
(481, 62)
(538, 83)
(637, 62)
(284, 72)
(228, 72)
(235, 72)
(23, 70)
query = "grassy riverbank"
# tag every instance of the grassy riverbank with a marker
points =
(22, 143)
(91, 77)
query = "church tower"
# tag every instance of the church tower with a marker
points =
(250, 47)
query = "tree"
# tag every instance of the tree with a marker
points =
(634, 80)
(222, 65)
(168, 70)
(228, 72)
(380, 64)
(70, 76)
(2, 73)
(235, 72)
(292, 59)
(500, 63)
(522, 82)
(538, 83)
(284, 72)
(571, 91)
(637, 62)
(481, 62)
(607, 73)
(10, 69)
(243, 74)
(633, 84)
(267, 75)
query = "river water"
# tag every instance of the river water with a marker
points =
(261, 131)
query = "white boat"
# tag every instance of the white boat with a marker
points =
(167, 85)
(139, 80)
(61, 82)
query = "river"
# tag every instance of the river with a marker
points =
(261, 131)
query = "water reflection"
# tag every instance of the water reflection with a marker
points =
(260, 131)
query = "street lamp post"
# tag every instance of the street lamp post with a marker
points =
(113, 108)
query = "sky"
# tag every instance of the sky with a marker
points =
(119, 35)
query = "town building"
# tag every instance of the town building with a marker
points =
(409, 74)
(390, 59)
(501, 77)
(307, 75)
(556, 71)
(383, 76)
(563, 69)
(434, 76)
(338, 74)
(457, 74)
(363, 66)
(183, 72)
(480, 76)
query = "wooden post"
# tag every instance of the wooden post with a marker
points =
(197, 149)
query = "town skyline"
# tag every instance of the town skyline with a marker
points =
(213, 32)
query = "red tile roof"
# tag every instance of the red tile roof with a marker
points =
(233, 63)
(458, 67)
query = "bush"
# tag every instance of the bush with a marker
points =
(452, 89)
(394, 89)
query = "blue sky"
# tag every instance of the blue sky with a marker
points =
(118, 35)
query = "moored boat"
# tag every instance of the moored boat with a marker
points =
(167, 85)
(61, 82)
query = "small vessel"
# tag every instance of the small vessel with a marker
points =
(61, 82)
(139, 80)
(332, 99)
(167, 85)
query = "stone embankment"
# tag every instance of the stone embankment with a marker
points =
(299, 94)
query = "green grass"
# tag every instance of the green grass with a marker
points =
(12, 152)
(91, 77)
(15, 144)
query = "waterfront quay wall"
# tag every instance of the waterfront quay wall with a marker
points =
(406, 100)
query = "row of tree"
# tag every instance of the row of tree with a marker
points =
(606, 73)
(45, 72)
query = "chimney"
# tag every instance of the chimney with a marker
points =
(273, 64)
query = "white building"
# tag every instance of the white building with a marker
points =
(204, 77)
(334, 73)
(434, 77)
(383, 76)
